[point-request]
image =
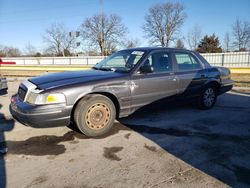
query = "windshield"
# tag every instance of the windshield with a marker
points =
(122, 61)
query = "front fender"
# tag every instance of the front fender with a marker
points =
(119, 92)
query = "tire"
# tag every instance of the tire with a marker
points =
(94, 115)
(208, 97)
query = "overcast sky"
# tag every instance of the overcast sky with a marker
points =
(24, 21)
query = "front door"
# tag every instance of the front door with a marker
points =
(149, 87)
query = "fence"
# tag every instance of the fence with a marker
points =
(229, 59)
(89, 60)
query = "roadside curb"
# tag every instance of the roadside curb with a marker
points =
(241, 88)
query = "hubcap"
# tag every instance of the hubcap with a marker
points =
(209, 97)
(97, 116)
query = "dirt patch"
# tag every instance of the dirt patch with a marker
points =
(110, 153)
(51, 157)
(37, 181)
(242, 91)
(74, 142)
(150, 148)
(241, 80)
(70, 186)
(127, 135)
(71, 160)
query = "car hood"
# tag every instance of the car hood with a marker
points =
(54, 80)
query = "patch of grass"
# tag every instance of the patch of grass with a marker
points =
(241, 80)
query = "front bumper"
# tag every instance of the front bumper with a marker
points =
(226, 86)
(40, 116)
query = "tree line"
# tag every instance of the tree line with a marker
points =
(103, 34)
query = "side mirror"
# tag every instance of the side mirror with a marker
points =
(146, 69)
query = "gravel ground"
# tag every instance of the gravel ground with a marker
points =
(163, 145)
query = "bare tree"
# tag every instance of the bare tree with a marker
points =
(8, 51)
(30, 50)
(226, 41)
(241, 33)
(163, 22)
(194, 36)
(59, 40)
(2, 54)
(131, 43)
(103, 31)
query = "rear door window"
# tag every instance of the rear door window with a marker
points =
(186, 61)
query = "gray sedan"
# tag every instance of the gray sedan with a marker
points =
(116, 87)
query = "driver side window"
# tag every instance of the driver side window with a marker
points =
(160, 61)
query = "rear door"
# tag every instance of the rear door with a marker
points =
(190, 72)
(159, 84)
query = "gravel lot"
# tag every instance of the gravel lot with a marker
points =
(164, 145)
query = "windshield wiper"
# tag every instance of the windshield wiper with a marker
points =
(106, 69)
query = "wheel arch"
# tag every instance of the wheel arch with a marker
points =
(111, 96)
(215, 83)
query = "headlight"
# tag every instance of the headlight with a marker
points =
(47, 98)
(55, 98)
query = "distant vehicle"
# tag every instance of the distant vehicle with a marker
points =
(3, 81)
(3, 84)
(117, 87)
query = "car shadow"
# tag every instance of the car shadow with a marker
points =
(215, 141)
(5, 125)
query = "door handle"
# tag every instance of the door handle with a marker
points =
(203, 75)
(171, 74)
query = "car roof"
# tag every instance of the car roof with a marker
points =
(148, 49)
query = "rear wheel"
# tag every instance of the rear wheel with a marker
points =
(207, 98)
(94, 115)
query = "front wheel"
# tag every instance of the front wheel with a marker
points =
(207, 98)
(94, 115)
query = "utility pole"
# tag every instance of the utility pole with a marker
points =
(73, 36)
(102, 32)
